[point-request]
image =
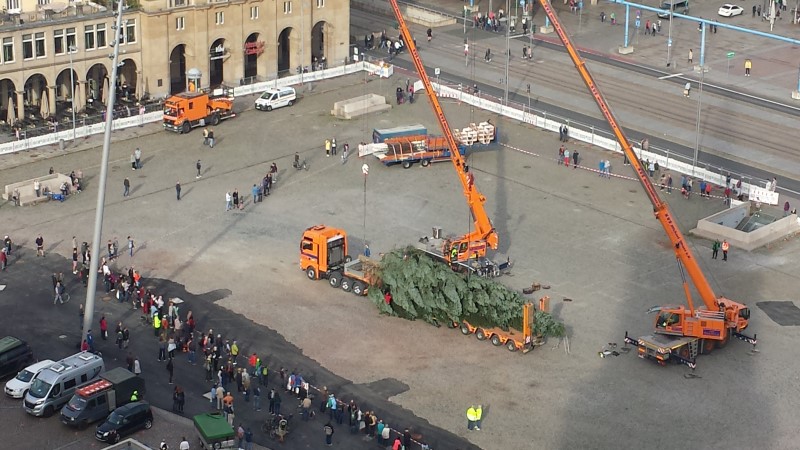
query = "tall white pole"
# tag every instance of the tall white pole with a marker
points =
(508, 54)
(72, 84)
(91, 290)
(697, 124)
(669, 36)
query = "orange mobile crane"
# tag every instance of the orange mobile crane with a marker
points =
(681, 333)
(467, 252)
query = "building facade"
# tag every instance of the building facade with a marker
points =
(48, 47)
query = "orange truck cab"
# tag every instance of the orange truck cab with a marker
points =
(323, 251)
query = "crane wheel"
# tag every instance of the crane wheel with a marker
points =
(724, 343)
(684, 352)
(480, 334)
(465, 329)
(708, 346)
(496, 340)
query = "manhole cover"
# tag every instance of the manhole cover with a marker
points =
(785, 314)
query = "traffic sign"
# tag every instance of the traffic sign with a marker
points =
(731, 54)
(437, 71)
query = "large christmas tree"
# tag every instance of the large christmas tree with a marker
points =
(426, 289)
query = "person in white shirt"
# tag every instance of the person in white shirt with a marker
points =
(184, 444)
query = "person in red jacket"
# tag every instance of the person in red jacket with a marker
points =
(103, 328)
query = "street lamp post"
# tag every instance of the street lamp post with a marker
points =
(508, 54)
(71, 50)
(669, 34)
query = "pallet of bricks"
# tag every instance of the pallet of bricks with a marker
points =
(482, 133)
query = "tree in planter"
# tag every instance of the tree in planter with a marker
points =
(422, 288)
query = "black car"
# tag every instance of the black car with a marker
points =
(124, 421)
(15, 354)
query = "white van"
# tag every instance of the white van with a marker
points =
(276, 98)
(17, 387)
(55, 385)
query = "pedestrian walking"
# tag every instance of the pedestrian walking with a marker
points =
(715, 248)
(328, 429)
(786, 208)
(471, 417)
(235, 196)
(170, 369)
(37, 188)
(575, 155)
(346, 147)
(133, 161)
(691, 56)
(178, 189)
(137, 366)
(333, 146)
(478, 416)
(561, 154)
(126, 184)
(327, 147)
(747, 66)
(256, 398)
(488, 56)
(205, 136)
(228, 201)
(211, 139)
(137, 154)
(40, 246)
(131, 246)
(59, 291)
(566, 158)
(754, 10)
(199, 169)
(429, 33)
(103, 328)
(725, 248)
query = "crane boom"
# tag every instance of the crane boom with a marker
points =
(484, 233)
(661, 209)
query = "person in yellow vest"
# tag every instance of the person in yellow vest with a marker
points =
(472, 416)
(725, 247)
(327, 147)
(747, 66)
(478, 415)
(135, 396)
(156, 324)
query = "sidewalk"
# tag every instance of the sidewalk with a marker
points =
(774, 73)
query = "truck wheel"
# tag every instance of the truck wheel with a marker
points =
(464, 329)
(217, 445)
(346, 284)
(480, 334)
(496, 340)
(358, 288)
(215, 118)
(425, 162)
(185, 128)
(335, 279)
(311, 273)
(511, 346)
(406, 164)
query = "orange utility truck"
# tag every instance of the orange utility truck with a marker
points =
(188, 110)
(323, 254)
(681, 333)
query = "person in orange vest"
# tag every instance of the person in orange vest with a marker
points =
(725, 247)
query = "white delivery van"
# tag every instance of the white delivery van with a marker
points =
(276, 98)
(53, 387)
(18, 387)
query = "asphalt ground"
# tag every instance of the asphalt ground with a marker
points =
(593, 240)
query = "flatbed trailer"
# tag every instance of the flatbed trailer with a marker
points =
(410, 150)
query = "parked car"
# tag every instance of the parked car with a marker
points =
(14, 355)
(728, 10)
(18, 387)
(124, 421)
